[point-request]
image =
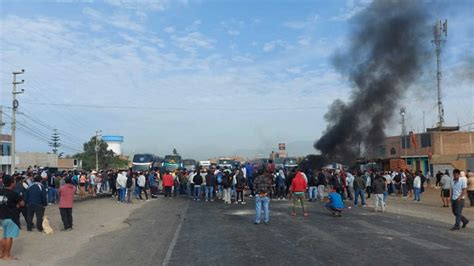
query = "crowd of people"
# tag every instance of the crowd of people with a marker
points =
(28, 193)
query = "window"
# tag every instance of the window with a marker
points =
(381, 150)
(406, 142)
(393, 151)
(425, 140)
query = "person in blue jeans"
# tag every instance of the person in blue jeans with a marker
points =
(417, 187)
(359, 188)
(262, 186)
(335, 204)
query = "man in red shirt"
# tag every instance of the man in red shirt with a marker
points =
(298, 188)
(168, 184)
(66, 199)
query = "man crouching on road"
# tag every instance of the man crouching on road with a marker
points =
(10, 201)
(262, 187)
(335, 204)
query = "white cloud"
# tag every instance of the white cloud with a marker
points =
(302, 24)
(142, 5)
(352, 8)
(233, 32)
(271, 46)
(193, 41)
(118, 20)
(169, 29)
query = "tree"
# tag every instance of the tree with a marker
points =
(107, 158)
(55, 141)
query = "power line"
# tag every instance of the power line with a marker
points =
(173, 108)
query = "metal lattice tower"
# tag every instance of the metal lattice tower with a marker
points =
(440, 31)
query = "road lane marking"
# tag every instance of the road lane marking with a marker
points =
(169, 253)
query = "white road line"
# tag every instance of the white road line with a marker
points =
(169, 253)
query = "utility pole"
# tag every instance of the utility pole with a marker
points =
(97, 134)
(440, 30)
(1, 120)
(15, 105)
(424, 128)
(404, 138)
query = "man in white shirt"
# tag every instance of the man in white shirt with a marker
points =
(122, 184)
(458, 192)
(141, 182)
(417, 187)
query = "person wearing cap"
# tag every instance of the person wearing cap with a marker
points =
(92, 183)
(10, 201)
(66, 199)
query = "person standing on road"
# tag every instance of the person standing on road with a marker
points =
(350, 185)
(379, 187)
(417, 187)
(280, 185)
(445, 184)
(249, 171)
(298, 188)
(36, 200)
(322, 183)
(10, 201)
(210, 185)
(313, 185)
(197, 186)
(359, 188)
(226, 183)
(470, 188)
(66, 199)
(458, 192)
(240, 186)
(141, 183)
(122, 186)
(168, 183)
(262, 187)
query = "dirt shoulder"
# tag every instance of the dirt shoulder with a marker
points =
(90, 218)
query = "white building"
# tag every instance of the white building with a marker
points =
(114, 143)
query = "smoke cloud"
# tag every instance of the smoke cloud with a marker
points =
(389, 44)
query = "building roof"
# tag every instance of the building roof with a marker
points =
(434, 129)
(113, 138)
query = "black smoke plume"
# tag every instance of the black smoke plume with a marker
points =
(387, 49)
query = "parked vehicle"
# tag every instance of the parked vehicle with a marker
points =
(189, 164)
(172, 162)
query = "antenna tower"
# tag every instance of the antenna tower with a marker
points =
(440, 32)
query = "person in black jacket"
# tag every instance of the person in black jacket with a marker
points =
(241, 184)
(197, 180)
(210, 185)
(36, 200)
(312, 184)
(322, 183)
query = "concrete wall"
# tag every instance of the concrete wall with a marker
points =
(26, 159)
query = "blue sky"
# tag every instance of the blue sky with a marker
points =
(210, 78)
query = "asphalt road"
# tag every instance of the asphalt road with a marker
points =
(182, 232)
